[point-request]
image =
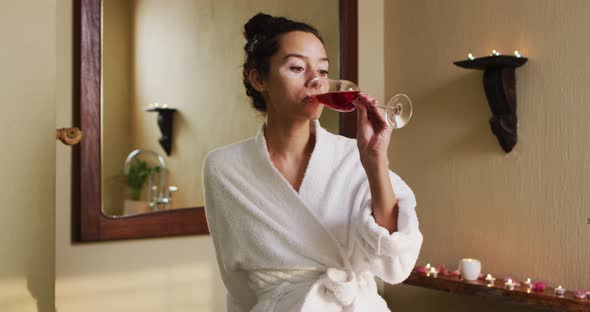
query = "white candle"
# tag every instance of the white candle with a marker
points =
(490, 280)
(433, 272)
(495, 53)
(516, 54)
(470, 56)
(559, 291)
(509, 284)
(528, 282)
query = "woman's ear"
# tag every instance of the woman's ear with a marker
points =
(256, 80)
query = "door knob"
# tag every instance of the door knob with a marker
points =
(68, 136)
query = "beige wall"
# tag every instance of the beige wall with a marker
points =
(188, 55)
(522, 213)
(27, 123)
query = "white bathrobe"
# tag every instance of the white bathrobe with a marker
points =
(313, 250)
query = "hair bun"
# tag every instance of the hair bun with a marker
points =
(256, 25)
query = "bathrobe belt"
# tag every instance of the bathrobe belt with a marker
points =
(343, 286)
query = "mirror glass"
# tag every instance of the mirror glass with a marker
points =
(186, 55)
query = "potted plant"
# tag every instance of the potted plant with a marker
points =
(135, 178)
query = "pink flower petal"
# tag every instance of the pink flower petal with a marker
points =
(539, 286)
(580, 294)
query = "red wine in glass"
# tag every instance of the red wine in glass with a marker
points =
(338, 100)
(339, 95)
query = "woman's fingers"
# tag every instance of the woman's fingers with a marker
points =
(368, 111)
(361, 107)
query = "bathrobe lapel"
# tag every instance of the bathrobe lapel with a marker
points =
(299, 216)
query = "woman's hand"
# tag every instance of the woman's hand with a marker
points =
(372, 138)
(373, 133)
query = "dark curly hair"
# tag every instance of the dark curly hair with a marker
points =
(262, 33)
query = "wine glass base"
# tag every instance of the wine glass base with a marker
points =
(399, 111)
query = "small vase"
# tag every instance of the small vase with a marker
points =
(133, 207)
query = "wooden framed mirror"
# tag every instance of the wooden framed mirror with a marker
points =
(90, 223)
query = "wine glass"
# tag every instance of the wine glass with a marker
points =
(339, 94)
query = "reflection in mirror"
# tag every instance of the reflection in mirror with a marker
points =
(186, 55)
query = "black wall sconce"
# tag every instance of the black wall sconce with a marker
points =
(165, 123)
(499, 82)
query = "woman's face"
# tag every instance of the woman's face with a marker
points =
(287, 89)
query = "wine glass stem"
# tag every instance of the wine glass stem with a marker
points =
(395, 110)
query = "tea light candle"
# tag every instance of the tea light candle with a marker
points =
(427, 267)
(495, 53)
(510, 284)
(490, 280)
(528, 282)
(433, 272)
(559, 291)
(470, 57)
(516, 54)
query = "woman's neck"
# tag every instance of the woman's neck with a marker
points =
(289, 140)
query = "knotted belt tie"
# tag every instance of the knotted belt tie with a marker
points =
(346, 285)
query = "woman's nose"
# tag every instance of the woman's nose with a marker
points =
(315, 83)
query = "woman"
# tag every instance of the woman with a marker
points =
(302, 219)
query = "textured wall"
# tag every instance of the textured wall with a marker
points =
(522, 213)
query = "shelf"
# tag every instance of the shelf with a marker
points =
(520, 295)
(499, 81)
(165, 123)
(486, 62)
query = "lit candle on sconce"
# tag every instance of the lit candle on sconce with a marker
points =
(495, 53)
(516, 54)
(490, 280)
(510, 284)
(470, 57)
(559, 291)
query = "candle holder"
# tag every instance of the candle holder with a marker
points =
(165, 123)
(499, 83)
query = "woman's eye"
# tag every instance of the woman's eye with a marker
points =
(296, 69)
(323, 73)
